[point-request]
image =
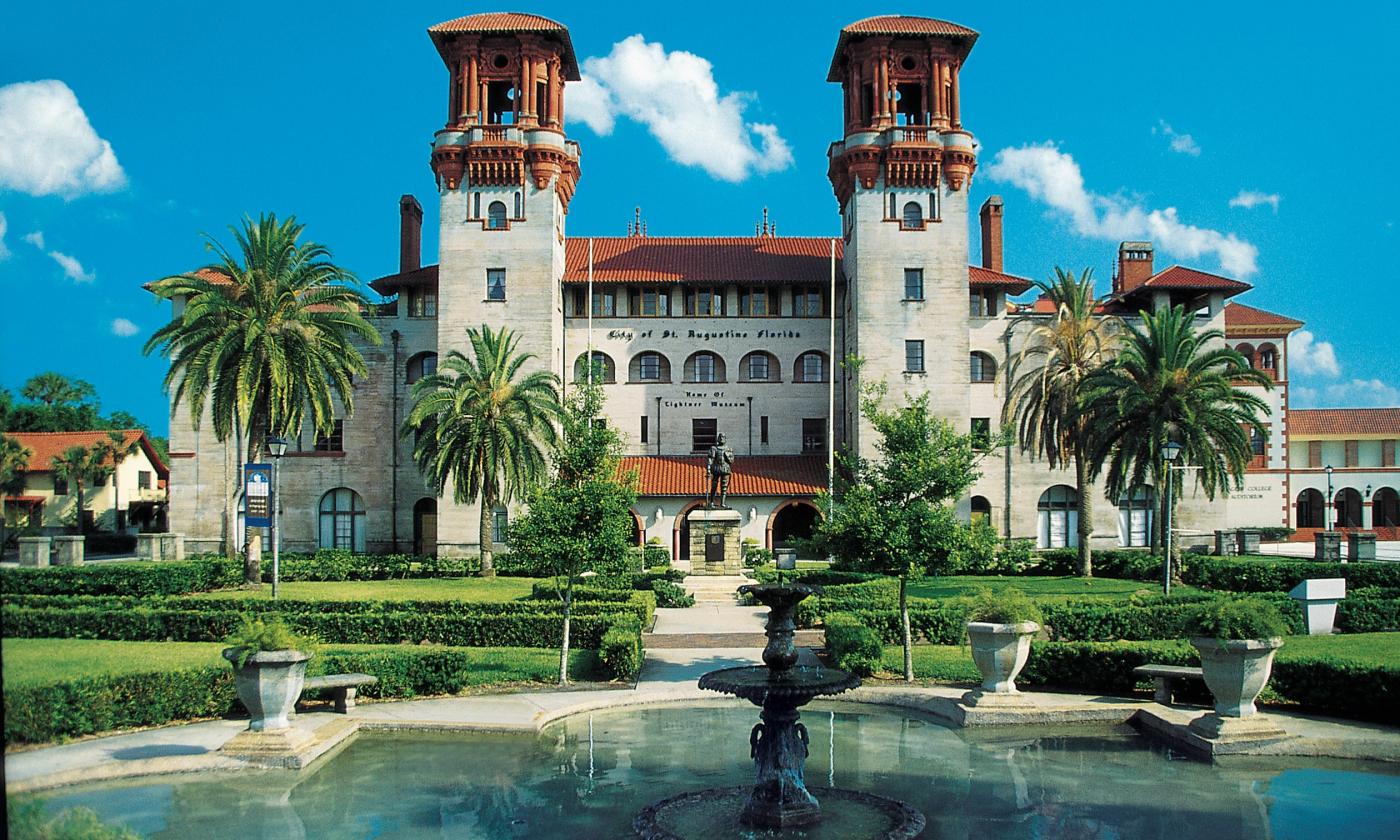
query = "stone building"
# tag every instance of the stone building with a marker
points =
(741, 335)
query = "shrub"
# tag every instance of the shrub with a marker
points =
(340, 565)
(653, 555)
(620, 650)
(1009, 606)
(1361, 613)
(852, 645)
(1100, 666)
(29, 821)
(1260, 575)
(255, 635)
(669, 594)
(1339, 687)
(138, 578)
(1237, 618)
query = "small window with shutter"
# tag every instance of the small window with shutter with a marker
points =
(1314, 453)
(1352, 450)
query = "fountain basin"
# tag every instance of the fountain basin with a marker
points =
(849, 814)
(757, 683)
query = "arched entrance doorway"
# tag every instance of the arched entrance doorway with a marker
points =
(680, 532)
(1309, 510)
(639, 531)
(425, 527)
(791, 521)
(1348, 513)
(1385, 508)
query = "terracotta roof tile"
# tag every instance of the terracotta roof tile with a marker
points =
(390, 284)
(506, 22)
(703, 259)
(979, 277)
(1239, 315)
(1181, 277)
(899, 25)
(1344, 421)
(758, 475)
(44, 446)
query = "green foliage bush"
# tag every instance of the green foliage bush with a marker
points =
(1237, 618)
(669, 594)
(851, 645)
(29, 821)
(1339, 687)
(620, 650)
(1365, 612)
(138, 578)
(341, 565)
(1101, 666)
(256, 635)
(1245, 575)
(1009, 606)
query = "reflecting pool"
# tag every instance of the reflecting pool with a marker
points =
(588, 776)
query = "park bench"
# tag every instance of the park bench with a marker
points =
(341, 686)
(1165, 676)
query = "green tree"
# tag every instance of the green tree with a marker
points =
(53, 388)
(581, 521)
(77, 465)
(484, 426)
(1172, 381)
(894, 515)
(1046, 384)
(267, 334)
(14, 461)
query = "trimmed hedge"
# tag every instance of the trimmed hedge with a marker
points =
(620, 650)
(1366, 613)
(670, 594)
(138, 578)
(852, 645)
(1283, 575)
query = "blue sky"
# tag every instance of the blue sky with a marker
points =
(1250, 138)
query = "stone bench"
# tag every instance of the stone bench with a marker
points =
(341, 686)
(1164, 676)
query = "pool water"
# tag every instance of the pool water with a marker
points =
(588, 776)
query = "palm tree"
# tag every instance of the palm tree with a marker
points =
(266, 333)
(1173, 382)
(1045, 382)
(14, 461)
(53, 388)
(483, 426)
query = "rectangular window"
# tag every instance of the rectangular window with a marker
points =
(807, 302)
(644, 427)
(500, 524)
(913, 284)
(758, 367)
(754, 303)
(1314, 453)
(705, 368)
(703, 433)
(1352, 453)
(422, 303)
(649, 367)
(813, 435)
(982, 304)
(981, 432)
(1387, 453)
(914, 356)
(704, 301)
(143, 480)
(763, 429)
(604, 303)
(334, 442)
(650, 303)
(60, 486)
(495, 284)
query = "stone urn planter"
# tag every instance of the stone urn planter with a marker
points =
(1235, 671)
(269, 683)
(1000, 652)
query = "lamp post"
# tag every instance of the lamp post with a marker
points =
(1171, 450)
(1327, 508)
(276, 447)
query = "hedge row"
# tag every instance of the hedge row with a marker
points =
(1223, 573)
(143, 624)
(175, 578)
(620, 650)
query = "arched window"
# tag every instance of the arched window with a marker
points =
(1309, 512)
(704, 367)
(1246, 350)
(913, 216)
(1058, 515)
(1135, 518)
(421, 365)
(983, 368)
(343, 520)
(810, 367)
(650, 366)
(1268, 359)
(758, 366)
(1385, 508)
(1258, 444)
(496, 215)
(1348, 513)
(604, 371)
(981, 510)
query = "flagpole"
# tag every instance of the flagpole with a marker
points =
(831, 377)
(589, 363)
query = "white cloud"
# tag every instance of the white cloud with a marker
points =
(123, 328)
(675, 96)
(36, 239)
(1249, 199)
(47, 145)
(1054, 177)
(1363, 393)
(1308, 356)
(72, 268)
(1183, 143)
(4, 250)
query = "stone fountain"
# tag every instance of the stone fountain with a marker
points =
(779, 798)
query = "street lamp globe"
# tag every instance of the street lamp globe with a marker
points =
(277, 446)
(1171, 450)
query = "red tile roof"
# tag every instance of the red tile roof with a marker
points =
(899, 25)
(390, 284)
(979, 277)
(44, 446)
(25, 500)
(506, 22)
(1344, 421)
(1181, 277)
(218, 278)
(703, 259)
(757, 475)
(1239, 315)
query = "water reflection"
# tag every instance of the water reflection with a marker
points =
(587, 777)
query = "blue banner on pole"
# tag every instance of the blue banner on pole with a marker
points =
(257, 495)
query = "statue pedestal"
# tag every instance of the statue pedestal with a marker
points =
(714, 542)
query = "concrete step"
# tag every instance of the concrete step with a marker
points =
(714, 589)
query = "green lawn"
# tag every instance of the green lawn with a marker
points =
(1041, 588)
(43, 661)
(423, 589)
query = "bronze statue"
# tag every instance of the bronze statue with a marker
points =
(720, 464)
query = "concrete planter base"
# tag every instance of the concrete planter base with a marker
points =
(269, 684)
(1235, 671)
(1000, 652)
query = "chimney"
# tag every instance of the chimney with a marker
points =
(410, 234)
(1134, 266)
(991, 234)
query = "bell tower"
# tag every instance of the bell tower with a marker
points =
(900, 174)
(505, 176)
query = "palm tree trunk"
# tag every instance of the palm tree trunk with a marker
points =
(488, 509)
(905, 636)
(1086, 513)
(252, 560)
(230, 502)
